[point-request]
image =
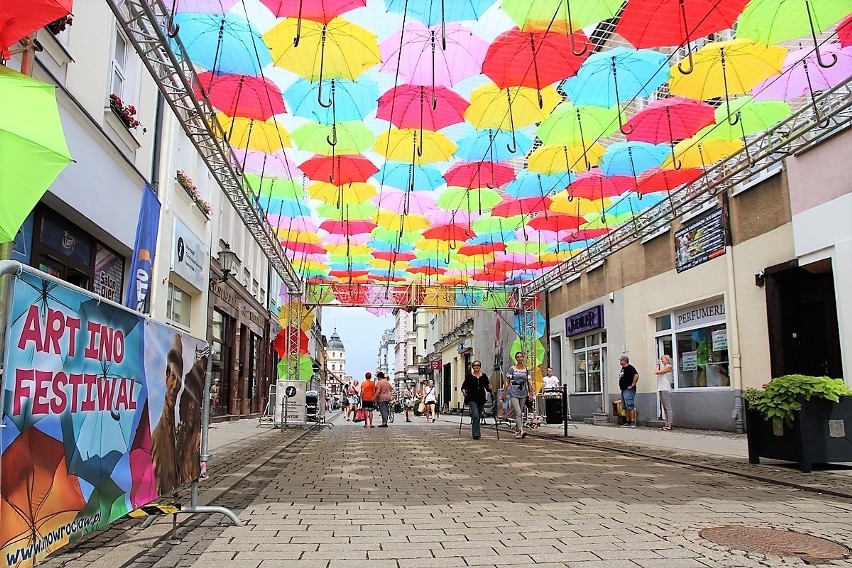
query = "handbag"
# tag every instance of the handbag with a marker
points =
(360, 415)
(421, 407)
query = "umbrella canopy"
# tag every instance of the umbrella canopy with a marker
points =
(632, 158)
(803, 75)
(752, 117)
(267, 136)
(317, 10)
(433, 13)
(617, 75)
(844, 31)
(473, 175)
(404, 175)
(222, 43)
(493, 145)
(698, 153)
(349, 100)
(774, 21)
(559, 15)
(571, 125)
(339, 169)
(530, 184)
(669, 119)
(428, 108)
(666, 180)
(32, 147)
(594, 184)
(263, 164)
(420, 146)
(241, 95)
(550, 159)
(349, 194)
(20, 19)
(351, 137)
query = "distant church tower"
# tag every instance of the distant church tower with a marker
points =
(336, 356)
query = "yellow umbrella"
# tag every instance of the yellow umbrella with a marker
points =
(295, 236)
(436, 245)
(337, 50)
(348, 194)
(414, 146)
(266, 136)
(510, 108)
(560, 203)
(550, 160)
(406, 223)
(697, 153)
(350, 250)
(725, 68)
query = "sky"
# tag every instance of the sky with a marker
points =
(361, 333)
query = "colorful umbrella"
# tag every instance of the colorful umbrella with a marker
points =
(426, 108)
(726, 68)
(564, 202)
(774, 21)
(461, 198)
(350, 137)
(664, 23)
(532, 59)
(450, 232)
(560, 15)
(263, 164)
(659, 179)
(349, 100)
(275, 188)
(405, 201)
(20, 19)
(204, 6)
(493, 145)
(632, 158)
(701, 153)
(222, 43)
(409, 176)
(322, 11)
(32, 147)
(473, 175)
(752, 117)
(525, 206)
(844, 31)
(241, 95)
(530, 184)
(571, 125)
(267, 136)
(414, 146)
(347, 227)
(510, 108)
(617, 75)
(339, 169)
(556, 222)
(432, 13)
(550, 159)
(415, 56)
(401, 222)
(594, 184)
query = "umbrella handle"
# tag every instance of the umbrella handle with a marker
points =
(298, 26)
(513, 147)
(676, 164)
(571, 33)
(688, 43)
(172, 29)
(623, 126)
(821, 63)
(691, 67)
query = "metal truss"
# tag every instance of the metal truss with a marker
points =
(829, 114)
(292, 335)
(365, 295)
(145, 23)
(529, 331)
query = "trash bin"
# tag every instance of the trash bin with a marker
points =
(553, 410)
(618, 412)
(312, 406)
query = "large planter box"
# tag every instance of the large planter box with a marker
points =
(821, 433)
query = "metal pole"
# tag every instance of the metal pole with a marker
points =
(565, 409)
(205, 424)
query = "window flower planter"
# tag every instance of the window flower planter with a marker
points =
(186, 183)
(127, 113)
(56, 27)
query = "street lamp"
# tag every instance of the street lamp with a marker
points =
(227, 258)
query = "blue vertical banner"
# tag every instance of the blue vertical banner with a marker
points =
(142, 265)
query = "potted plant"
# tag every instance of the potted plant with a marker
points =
(127, 113)
(801, 419)
(186, 183)
(58, 26)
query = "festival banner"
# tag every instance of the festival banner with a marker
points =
(102, 414)
(142, 263)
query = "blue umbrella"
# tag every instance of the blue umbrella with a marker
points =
(506, 236)
(632, 158)
(434, 12)
(617, 75)
(284, 207)
(353, 100)
(530, 184)
(632, 203)
(492, 145)
(384, 246)
(399, 175)
(222, 43)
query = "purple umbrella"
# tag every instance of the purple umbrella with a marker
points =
(460, 217)
(276, 165)
(405, 201)
(200, 6)
(803, 75)
(417, 53)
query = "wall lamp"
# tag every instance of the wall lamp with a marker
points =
(760, 279)
(227, 258)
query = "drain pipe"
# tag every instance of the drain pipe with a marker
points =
(734, 359)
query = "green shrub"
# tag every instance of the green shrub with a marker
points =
(781, 398)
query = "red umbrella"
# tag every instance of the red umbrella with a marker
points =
(348, 274)
(347, 227)
(556, 222)
(474, 175)
(426, 108)
(491, 276)
(450, 232)
(511, 207)
(18, 19)
(241, 95)
(339, 170)
(485, 248)
(393, 256)
(317, 10)
(658, 179)
(533, 59)
(844, 32)
(667, 120)
(665, 23)
(584, 235)
(594, 184)
(305, 248)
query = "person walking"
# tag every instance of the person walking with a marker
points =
(474, 389)
(627, 379)
(517, 389)
(551, 381)
(664, 388)
(408, 400)
(384, 396)
(430, 399)
(368, 398)
(352, 399)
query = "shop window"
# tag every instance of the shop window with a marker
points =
(178, 306)
(589, 360)
(700, 360)
(664, 323)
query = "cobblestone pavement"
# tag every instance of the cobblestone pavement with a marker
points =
(421, 495)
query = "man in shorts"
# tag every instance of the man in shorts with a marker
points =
(627, 379)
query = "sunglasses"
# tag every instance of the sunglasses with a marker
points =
(476, 365)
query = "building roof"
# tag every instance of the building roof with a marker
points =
(335, 342)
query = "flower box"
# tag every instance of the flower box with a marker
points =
(127, 113)
(186, 183)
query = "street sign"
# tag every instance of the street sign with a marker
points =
(435, 365)
(290, 391)
(422, 370)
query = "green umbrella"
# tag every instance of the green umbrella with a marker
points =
(352, 137)
(275, 188)
(498, 224)
(393, 236)
(32, 147)
(345, 259)
(754, 116)
(571, 125)
(461, 198)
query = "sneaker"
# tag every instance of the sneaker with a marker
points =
(383, 425)
(633, 425)
(626, 425)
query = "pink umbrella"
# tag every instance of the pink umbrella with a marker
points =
(524, 206)
(298, 224)
(405, 201)
(357, 239)
(473, 175)
(803, 75)
(421, 60)
(442, 217)
(347, 227)
(417, 106)
(267, 165)
(844, 31)
(669, 119)
(203, 6)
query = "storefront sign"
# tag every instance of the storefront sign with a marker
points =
(435, 364)
(109, 272)
(688, 361)
(700, 241)
(584, 321)
(720, 339)
(703, 315)
(189, 256)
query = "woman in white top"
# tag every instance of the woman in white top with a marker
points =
(430, 399)
(664, 387)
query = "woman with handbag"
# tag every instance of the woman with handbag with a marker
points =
(408, 400)
(517, 389)
(352, 397)
(430, 401)
(368, 398)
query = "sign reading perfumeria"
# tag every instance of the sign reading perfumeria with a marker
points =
(710, 313)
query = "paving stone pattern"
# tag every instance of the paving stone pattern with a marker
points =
(421, 495)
